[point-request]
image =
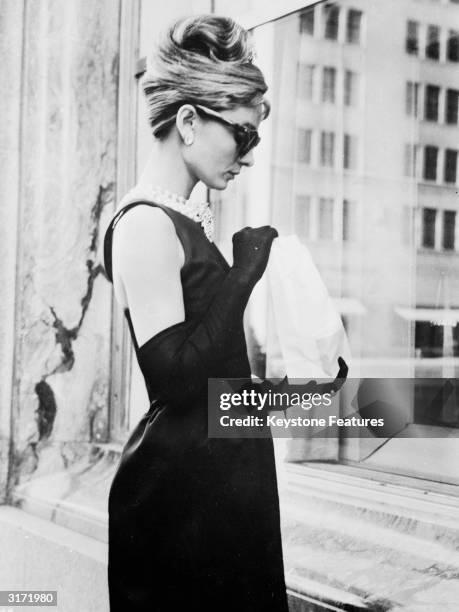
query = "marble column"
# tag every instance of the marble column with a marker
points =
(66, 137)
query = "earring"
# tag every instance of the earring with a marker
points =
(188, 140)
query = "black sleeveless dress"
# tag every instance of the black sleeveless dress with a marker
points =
(193, 521)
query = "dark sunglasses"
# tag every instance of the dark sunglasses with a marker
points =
(246, 138)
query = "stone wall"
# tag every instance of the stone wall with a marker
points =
(57, 193)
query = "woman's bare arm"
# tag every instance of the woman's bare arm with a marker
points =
(147, 257)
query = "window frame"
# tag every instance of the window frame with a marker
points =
(121, 349)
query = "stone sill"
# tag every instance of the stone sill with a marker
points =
(350, 542)
(391, 546)
(75, 498)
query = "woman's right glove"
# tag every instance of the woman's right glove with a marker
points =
(177, 362)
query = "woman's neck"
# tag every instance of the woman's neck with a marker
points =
(166, 169)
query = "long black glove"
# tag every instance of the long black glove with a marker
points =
(177, 362)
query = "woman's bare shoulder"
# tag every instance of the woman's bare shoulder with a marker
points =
(145, 251)
(145, 231)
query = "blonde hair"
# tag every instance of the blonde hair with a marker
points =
(205, 60)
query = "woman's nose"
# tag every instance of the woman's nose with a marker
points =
(248, 159)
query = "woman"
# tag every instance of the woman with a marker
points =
(193, 521)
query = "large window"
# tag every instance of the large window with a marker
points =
(365, 174)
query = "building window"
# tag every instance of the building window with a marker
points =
(449, 229)
(353, 26)
(304, 146)
(410, 164)
(349, 221)
(412, 98)
(331, 21)
(328, 84)
(305, 81)
(430, 163)
(302, 218)
(412, 37)
(431, 102)
(350, 152)
(452, 50)
(452, 103)
(433, 42)
(326, 208)
(327, 149)
(429, 217)
(307, 22)
(428, 339)
(450, 166)
(350, 88)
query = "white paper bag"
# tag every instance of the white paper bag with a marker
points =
(310, 331)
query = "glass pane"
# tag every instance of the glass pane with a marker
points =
(306, 81)
(449, 229)
(450, 166)
(412, 34)
(348, 164)
(429, 216)
(431, 108)
(307, 22)
(354, 19)
(452, 104)
(326, 206)
(412, 95)
(304, 146)
(433, 42)
(452, 51)
(351, 84)
(331, 21)
(349, 221)
(328, 84)
(327, 149)
(430, 163)
(302, 221)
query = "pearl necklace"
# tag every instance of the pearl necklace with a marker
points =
(197, 211)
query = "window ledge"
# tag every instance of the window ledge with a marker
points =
(76, 497)
(386, 543)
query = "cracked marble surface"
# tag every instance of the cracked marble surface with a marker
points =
(67, 194)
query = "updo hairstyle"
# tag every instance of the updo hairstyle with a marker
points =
(204, 60)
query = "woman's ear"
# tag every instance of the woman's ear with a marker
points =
(186, 123)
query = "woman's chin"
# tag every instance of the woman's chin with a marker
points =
(218, 184)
